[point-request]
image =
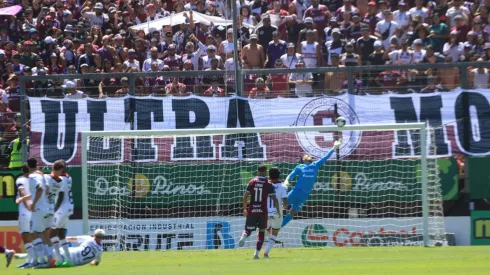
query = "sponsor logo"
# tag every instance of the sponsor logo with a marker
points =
(7, 185)
(11, 238)
(320, 112)
(481, 228)
(142, 186)
(341, 183)
(314, 235)
(392, 240)
(317, 235)
(362, 182)
(147, 236)
(218, 235)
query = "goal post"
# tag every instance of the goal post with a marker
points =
(389, 197)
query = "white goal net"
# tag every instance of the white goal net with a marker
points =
(160, 190)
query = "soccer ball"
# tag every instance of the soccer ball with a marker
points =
(340, 121)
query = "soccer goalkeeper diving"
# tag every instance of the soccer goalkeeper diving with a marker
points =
(307, 173)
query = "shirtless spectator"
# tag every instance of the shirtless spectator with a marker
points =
(334, 80)
(253, 53)
(449, 76)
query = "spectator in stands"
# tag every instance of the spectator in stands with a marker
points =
(132, 62)
(453, 48)
(303, 81)
(13, 93)
(71, 92)
(124, 90)
(334, 80)
(320, 14)
(97, 37)
(336, 45)
(6, 118)
(15, 149)
(365, 45)
(275, 50)
(279, 82)
(480, 77)
(214, 89)
(432, 87)
(176, 88)
(253, 53)
(386, 28)
(15, 130)
(260, 90)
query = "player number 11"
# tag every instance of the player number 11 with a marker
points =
(258, 194)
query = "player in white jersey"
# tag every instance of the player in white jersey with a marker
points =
(64, 209)
(22, 183)
(55, 185)
(89, 251)
(275, 219)
(81, 255)
(41, 212)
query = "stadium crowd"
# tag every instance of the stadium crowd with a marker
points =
(49, 37)
(52, 37)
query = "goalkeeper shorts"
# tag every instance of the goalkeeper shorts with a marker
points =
(296, 200)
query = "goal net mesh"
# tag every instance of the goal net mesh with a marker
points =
(185, 192)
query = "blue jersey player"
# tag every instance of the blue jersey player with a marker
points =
(306, 173)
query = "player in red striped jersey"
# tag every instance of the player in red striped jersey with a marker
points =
(259, 189)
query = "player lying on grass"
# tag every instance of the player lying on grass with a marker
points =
(9, 254)
(307, 173)
(259, 189)
(275, 218)
(88, 252)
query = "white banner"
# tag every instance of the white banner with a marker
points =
(56, 123)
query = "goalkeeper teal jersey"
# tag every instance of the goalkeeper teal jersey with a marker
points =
(307, 174)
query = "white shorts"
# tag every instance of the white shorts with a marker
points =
(24, 222)
(40, 221)
(274, 222)
(61, 219)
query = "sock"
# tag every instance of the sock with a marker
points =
(28, 247)
(39, 249)
(2, 249)
(48, 252)
(287, 219)
(56, 245)
(267, 233)
(270, 244)
(66, 252)
(260, 242)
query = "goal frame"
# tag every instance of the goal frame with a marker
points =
(421, 126)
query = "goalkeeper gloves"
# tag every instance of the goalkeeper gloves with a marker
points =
(337, 144)
(286, 183)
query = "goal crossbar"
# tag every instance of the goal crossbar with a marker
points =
(224, 131)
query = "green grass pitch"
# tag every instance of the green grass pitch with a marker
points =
(311, 261)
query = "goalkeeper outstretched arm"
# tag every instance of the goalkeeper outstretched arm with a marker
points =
(317, 164)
